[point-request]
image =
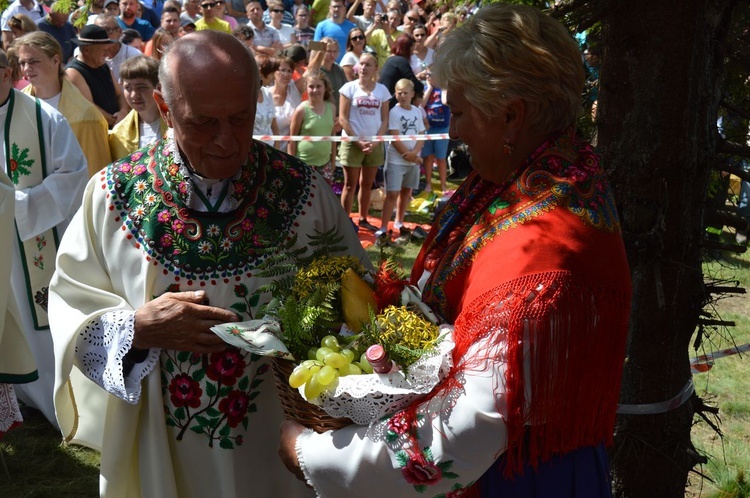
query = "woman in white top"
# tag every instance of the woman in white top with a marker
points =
(287, 95)
(355, 45)
(286, 32)
(363, 112)
(265, 112)
(422, 56)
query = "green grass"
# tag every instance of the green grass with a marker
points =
(40, 466)
(726, 386)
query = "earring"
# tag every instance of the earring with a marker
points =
(508, 148)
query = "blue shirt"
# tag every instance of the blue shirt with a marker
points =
(62, 34)
(143, 27)
(338, 32)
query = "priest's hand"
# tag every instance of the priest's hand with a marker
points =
(287, 447)
(181, 321)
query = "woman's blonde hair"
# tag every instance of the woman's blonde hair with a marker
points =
(45, 43)
(158, 43)
(11, 54)
(507, 52)
(22, 22)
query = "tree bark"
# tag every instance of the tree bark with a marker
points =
(659, 94)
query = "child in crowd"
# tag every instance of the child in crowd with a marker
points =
(315, 117)
(402, 161)
(143, 125)
(438, 118)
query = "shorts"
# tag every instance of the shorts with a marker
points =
(438, 148)
(398, 176)
(351, 155)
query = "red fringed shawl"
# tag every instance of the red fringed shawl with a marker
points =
(538, 262)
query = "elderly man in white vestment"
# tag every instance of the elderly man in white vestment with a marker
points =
(47, 168)
(164, 248)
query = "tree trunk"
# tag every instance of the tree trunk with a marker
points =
(660, 69)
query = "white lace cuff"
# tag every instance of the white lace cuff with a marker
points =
(100, 349)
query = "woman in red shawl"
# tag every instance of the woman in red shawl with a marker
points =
(527, 261)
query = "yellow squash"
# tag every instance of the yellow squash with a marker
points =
(357, 298)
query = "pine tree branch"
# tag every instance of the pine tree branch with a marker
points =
(743, 113)
(732, 148)
(721, 246)
(723, 218)
(723, 289)
(708, 322)
(734, 170)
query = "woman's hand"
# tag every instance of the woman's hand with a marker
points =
(365, 145)
(287, 447)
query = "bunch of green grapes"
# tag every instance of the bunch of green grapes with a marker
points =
(325, 365)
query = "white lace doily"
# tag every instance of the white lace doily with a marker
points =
(367, 398)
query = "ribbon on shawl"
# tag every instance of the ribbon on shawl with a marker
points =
(26, 166)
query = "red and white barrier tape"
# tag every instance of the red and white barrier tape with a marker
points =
(705, 362)
(371, 138)
(699, 364)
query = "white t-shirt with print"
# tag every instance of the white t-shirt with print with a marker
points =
(364, 113)
(407, 123)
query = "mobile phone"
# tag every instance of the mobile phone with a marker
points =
(316, 45)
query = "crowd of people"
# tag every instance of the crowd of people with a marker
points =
(145, 199)
(401, 34)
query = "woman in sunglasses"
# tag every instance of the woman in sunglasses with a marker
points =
(355, 45)
(422, 56)
(286, 32)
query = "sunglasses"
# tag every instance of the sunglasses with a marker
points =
(357, 38)
(211, 5)
(278, 11)
(414, 19)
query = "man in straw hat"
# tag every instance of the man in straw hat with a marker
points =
(89, 72)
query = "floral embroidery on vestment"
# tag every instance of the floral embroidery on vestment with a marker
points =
(150, 194)
(210, 395)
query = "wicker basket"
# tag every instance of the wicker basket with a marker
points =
(296, 407)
